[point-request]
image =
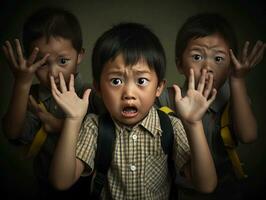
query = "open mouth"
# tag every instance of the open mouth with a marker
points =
(129, 111)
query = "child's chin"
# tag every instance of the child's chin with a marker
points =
(128, 122)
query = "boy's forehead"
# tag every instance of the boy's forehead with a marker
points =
(119, 63)
(57, 45)
(210, 41)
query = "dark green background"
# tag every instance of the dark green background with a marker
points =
(164, 17)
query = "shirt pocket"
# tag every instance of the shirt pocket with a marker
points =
(156, 171)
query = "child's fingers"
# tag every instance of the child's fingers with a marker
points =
(258, 57)
(178, 95)
(213, 96)
(254, 51)
(191, 80)
(11, 54)
(7, 57)
(201, 83)
(36, 106)
(234, 59)
(208, 87)
(6, 52)
(86, 95)
(56, 93)
(33, 56)
(245, 51)
(39, 63)
(44, 116)
(71, 83)
(33, 102)
(62, 82)
(19, 52)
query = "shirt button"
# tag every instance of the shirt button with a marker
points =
(133, 168)
(134, 137)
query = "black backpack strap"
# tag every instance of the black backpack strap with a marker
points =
(167, 146)
(104, 153)
(168, 133)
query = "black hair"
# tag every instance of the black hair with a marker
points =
(135, 42)
(52, 22)
(202, 25)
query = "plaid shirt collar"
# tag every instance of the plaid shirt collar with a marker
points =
(151, 123)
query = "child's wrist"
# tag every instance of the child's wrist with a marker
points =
(192, 123)
(236, 81)
(24, 82)
(193, 126)
(22, 85)
(73, 120)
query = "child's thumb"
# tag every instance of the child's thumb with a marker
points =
(86, 95)
(177, 92)
(44, 116)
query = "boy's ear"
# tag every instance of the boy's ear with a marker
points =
(160, 88)
(81, 55)
(179, 66)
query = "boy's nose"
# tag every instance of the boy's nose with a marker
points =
(128, 93)
(208, 66)
(54, 71)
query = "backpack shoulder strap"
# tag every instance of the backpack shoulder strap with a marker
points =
(167, 146)
(230, 144)
(168, 133)
(41, 135)
(104, 153)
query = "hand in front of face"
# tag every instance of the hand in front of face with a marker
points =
(193, 106)
(22, 69)
(51, 124)
(247, 60)
(68, 100)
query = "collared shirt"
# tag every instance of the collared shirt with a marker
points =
(139, 169)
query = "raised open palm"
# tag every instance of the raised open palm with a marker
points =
(247, 60)
(73, 106)
(192, 107)
(23, 69)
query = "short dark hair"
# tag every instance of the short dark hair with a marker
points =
(52, 22)
(134, 41)
(201, 25)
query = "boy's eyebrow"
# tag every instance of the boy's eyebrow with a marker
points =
(145, 71)
(115, 71)
(135, 71)
(216, 48)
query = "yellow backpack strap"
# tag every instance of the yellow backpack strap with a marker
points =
(230, 144)
(167, 110)
(38, 140)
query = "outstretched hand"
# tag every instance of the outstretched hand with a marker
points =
(247, 60)
(68, 100)
(192, 107)
(23, 69)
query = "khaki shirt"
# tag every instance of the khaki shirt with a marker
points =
(139, 169)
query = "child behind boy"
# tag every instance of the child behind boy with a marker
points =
(52, 40)
(207, 42)
(128, 67)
